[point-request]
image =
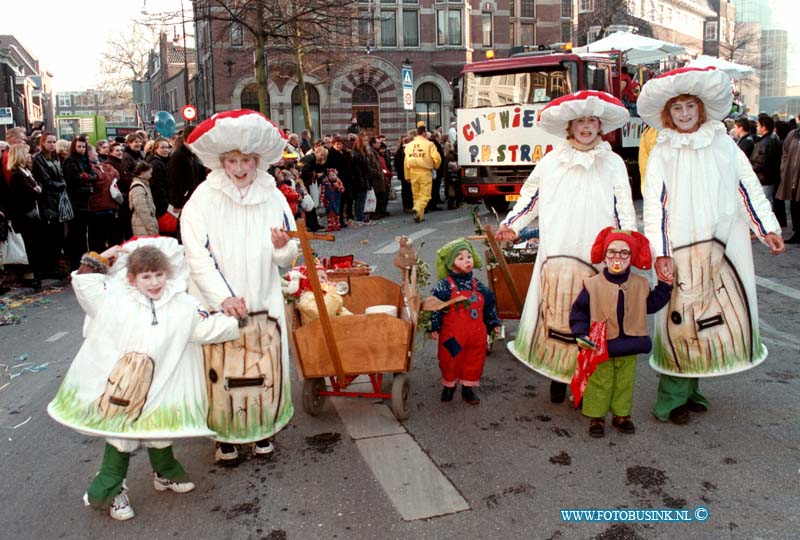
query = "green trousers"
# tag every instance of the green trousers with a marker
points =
(674, 392)
(108, 482)
(610, 388)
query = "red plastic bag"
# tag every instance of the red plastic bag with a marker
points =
(588, 360)
(168, 223)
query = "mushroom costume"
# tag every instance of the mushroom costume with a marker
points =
(701, 197)
(135, 377)
(227, 236)
(575, 190)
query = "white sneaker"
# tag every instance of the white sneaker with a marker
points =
(121, 508)
(226, 452)
(263, 448)
(163, 484)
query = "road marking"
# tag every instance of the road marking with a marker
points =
(778, 288)
(411, 480)
(56, 336)
(457, 220)
(392, 246)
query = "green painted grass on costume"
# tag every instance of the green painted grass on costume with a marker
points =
(716, 362)
(167, 418)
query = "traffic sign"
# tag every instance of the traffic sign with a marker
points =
(408, 99)
(189, 113)
(408, 77)
(6, 116)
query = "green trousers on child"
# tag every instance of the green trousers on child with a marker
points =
(610, 388)
(108, 482)
(674, 392)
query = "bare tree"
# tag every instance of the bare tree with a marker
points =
(606, 15)
(124, 59)
(290, 30)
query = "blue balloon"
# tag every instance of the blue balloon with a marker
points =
(165, 124)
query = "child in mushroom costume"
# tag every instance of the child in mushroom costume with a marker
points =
(700, 197)
(234, 229)
(577, 189)
(135, 380)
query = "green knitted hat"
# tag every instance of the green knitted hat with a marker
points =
(447, 254)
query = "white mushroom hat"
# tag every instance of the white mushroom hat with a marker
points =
(247, 131)
(559, 112)
(710, 85)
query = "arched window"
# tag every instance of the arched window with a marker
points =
(298, 121)
(429, 105)
(249, 98)
(365, 94)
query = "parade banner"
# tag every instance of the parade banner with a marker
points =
(502, 136)
(632, 132)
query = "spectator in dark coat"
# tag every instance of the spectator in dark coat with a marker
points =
(340, 160)
(766, 161)
(184, 172)
(80, 178)
(26, 198)
(742, 136)
(405, 187)
(789, 189)
(57, 208)
(159, 161)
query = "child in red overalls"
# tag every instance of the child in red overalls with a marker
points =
(461, 325)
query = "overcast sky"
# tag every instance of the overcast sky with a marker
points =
(67, 36)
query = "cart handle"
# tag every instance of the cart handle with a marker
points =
(313, 236)
(501, 260)
(327, 330)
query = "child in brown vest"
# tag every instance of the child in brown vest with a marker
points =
(623, 300)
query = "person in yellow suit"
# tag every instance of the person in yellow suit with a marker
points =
(421, 159)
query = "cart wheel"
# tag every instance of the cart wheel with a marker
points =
(312, 401)
(401, 396)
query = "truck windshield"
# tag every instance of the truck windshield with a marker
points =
(517, 88)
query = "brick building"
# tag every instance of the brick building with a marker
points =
(25, 86)
(170, 70)
(436, 36)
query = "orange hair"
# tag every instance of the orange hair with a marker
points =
(666, 117)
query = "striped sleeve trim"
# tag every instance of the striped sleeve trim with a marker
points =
(751, 211)
(528, 208)
(665, 243)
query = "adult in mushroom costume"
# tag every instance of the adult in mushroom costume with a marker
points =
(576, 190)
(234, 229)
(700, 198)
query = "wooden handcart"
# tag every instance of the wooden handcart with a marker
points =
(331, 352)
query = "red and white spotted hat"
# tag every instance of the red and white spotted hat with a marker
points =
(712, 86)
(247, 131)
(559, 112)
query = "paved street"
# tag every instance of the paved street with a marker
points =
(503, 469)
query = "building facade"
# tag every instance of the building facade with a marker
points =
(774, 48)
(170, 70)
(25, 87)
(437, 37)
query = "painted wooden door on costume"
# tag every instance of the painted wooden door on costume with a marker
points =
(126, 389)
(553, 342)
(709, 327)
(244, 380)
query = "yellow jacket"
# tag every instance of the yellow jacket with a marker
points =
(421, 154)
(646, 143)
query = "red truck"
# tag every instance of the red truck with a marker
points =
(498, 101)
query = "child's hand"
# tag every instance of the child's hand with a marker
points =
(505, 233)
(112, 254)
(585, 343)
(434, 335)
(496, 330)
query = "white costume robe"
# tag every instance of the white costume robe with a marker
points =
(700, 198)
(229, 249)
(575, 194)
(121, 320)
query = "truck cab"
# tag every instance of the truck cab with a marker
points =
(498, 105)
